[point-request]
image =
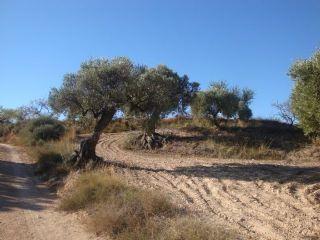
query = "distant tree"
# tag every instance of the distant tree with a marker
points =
(35, 109)
(306, 93)
(244, 112)
(158, 92)
(219, 99)
(187, 91)
(7, 115)
(98, 88)
(202, 106)
(3, 117)
(285, 112)
(222, 100)
(245, 99)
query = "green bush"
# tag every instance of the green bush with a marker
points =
(46, 128)
(48, 132)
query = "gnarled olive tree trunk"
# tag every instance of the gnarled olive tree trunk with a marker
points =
(150, 139)
(87, 150)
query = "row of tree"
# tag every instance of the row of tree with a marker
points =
(102, 87)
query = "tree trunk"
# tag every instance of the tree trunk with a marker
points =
(87, 152)
(215, 120)
(150, 139)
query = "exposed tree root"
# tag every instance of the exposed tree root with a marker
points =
(155, 140)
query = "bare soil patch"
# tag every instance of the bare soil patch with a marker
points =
(264, 199)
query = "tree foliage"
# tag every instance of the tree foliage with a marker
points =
(306, 93)
(99, 88)
(245, 99)
(222, 100)
(8, 116)
(186, 92)
(159, 91)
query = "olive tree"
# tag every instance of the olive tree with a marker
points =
(157, 92)
(306, 93)
(99, 88)
(245, 99)
(186, 93)
(219, 99)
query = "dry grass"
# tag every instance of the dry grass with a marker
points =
(49, 157)
(190, 228)
(92, 188)
(121, 211)
(216, 149)
(254, 139)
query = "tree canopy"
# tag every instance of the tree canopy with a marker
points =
(99, 88)
(306, 93)
(157, 92)
(222, 100)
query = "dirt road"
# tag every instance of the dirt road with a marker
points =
(27, 208)
(261, 199)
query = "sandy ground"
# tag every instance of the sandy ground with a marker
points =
(27, 208)
(260, 199)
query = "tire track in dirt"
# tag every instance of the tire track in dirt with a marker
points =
(27, 207)
(261, 200)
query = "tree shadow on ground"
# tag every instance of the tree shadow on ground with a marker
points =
(254, 172)
(19, 189)
(240, 172)
(286, 138)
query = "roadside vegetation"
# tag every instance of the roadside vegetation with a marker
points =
(119, 210)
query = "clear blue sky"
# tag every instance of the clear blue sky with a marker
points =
(250, 43)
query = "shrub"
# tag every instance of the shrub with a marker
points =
(40, 121)
(51, 157)
(46, 128)
(92, 188)
(4, 129)
(48, 132)
(47, 162)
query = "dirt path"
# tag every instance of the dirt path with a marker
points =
(262, 200)
(27, 208)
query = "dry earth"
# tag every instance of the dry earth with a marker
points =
(261, 199)
(27, 208)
